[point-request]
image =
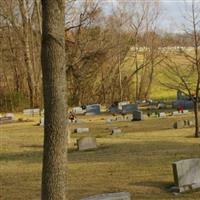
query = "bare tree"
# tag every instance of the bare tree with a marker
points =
(183, 71)
(19, 18)
(54, 83)
(143, 23)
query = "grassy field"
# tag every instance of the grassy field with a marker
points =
(138, 161)
(158, 90)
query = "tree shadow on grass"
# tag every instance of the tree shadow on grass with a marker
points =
(26, 156)
(126, 151)
(163, 185)
(123, 152)
(32, 146)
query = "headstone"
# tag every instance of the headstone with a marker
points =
(116, 131)
(119, 118)
(120, 104)
(109, 120)
(185, 111)
(128, 117)
(175, 113)
(113, 109)
(137, 115)
(191, 122)
(93, 109)
(10, 115)
(86, 143)
(162, 115)
(78, 110)
(187, 174)
(42, 112)
(179, 124)
(161, 105)
(129, 108)
(42, 121)
(110, 196)
(36, 111)
(186, 123)
(4, 120)
(81, 130)
(90, 113)
(31, 111)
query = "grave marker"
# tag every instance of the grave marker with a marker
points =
(93, 109)
(122, 103)
(31, 111)
(137, 115)
(191, 122)
(162, 115)
(116, 131)
(86, 143)
(179, 124)
(129, 108)
(111, 196)
(10, 115)
(78, 110)
(81, 130)
(187, 174)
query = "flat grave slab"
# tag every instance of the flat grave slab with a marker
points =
(110, 196)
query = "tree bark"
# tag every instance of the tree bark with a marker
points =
(27, 52)
(196, 109)
(54, 84)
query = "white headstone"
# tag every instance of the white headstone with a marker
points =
(42, 121)
(78, 110)
(185, 111)
(162, 115)
(116, 131)
(10, 115)
(81, 130)
(175, 113)
(120, 104)
(187, 174)
(31, 111)
(179, 124)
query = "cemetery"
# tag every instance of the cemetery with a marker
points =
(111, 157)
(100, 100)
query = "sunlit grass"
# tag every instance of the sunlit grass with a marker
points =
(138, 161)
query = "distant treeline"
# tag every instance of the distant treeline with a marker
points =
(98, 48)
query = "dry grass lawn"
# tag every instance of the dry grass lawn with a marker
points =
(138, 161)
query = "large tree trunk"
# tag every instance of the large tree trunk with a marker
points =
(54, 84)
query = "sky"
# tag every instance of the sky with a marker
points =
(173, 12)
(172, 15)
